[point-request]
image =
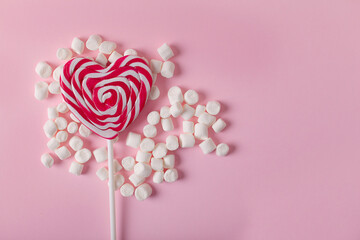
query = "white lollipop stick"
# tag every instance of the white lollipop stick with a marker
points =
(111, 190)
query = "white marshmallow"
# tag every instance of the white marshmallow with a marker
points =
(158, 177)
(143, 156)
(84, 131)
(83, 155)
(155, 65)
(102, 173)
(160, 150)
(100, 154)
(136, 180)
(154, 77)
(61, 123)
(62, 107)
(132, 52)
(133, 140)
(64, 54)
(167, 69)
(172, 142)
(77, 45)
(222, 149)
(142, 169)
(93, 42)
(199, 110)
(153, 117)
(76, 168)
(176, 109)
(57, 73)
(157, 164)
(118, 181)
(169, 161)
(128, 163)
(63, 152)
(107, 47)
(188, 127)
(188, 112)
(150, 131)
(72, 116)
(219, 125)
(47, 160)
(52, 113)
(114, 140)
(54, 87)
(201, 131)
(154, 93)
(207, 146)
(187, 140)
(116, 166)
(72, 127)
(147, 145)
(213, 107)
(165, 112)
(43, 69)
(191, 97)
(206, 119)
(76, 143)
(143, 192)
(41, 90)
(171, 175)
(50, 128)
(114, 56)
(165, 52)
(127, 190)
(101, 59)
(53, 144)
(61, 136)
(167, 124)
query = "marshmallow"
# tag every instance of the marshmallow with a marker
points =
(72, 116)
(118, 181)
(155, 65)
(47, 160)
(128, 163)
(207, 146)
(76, 168)
(72, 127)
(187, 140)
(52, 113)
(222, 149)
(142, 169)
(54, 87)
(143, 192)
(167, 124)
(53, 144)
(77, 45)
(157, 164)
(165, 112)
(84, 131)
(176, 109)
(41, 90)
(101, 59)
(191, 97)
(64, 54)
(150, 131)
(61, 123)
(206, 119)
(199, 110)
(167, 69)
(114, 140)
(154, 77)
(50, 128)
(158, 177)
(136, 180)
(107, 47)
(102, 173)
(153, 117)
(172, 142)
(43, 69)
(160, 150)
(76, 143)
(62, 152)
(116, 166)
(147, 145)
(201, 131)
(213, 107)
(83, 155)
(188, 127)
(165, 52)
(62, 107)
(127, 190)
(100, 154)
(171, 175)
(219, 125)
(133, 140)
(143, 156)
(61, 136)
(114, 56)
(188, 112)
(93, 42)
(169, 161)
(57, 73)
(130, 52)
(154, 93)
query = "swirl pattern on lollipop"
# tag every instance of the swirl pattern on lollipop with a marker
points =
(106, 100)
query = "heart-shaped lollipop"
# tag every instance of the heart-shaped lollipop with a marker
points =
(106, 100)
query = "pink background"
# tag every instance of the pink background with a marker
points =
(288, 76)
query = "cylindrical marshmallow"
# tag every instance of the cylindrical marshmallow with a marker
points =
(127, 190)
(155, 65)
(130, 52)
(53, 144)
(222, 149)
(171, 175)
(172, 142)
(143, 192)
(54, 87)
(72, 127)
(201, 131)
(77, 45)
(160, 150)
(61, 123)
(188, 127)
(206, 119)
(133, 140)
(169, 161)
(187, 140)
(76, 168)
(142, 169)
(128, 163)
(50, 128)
(207, 146)
(93, 42)
(167, 69)
(43, 69)
(107, 47)
(199, 110)
(84, 131)
(158, 177)
(213, 107)
(165, 52)
(62, 107)
(147, 145)
(154, 93)
(76, 143)
(219, 125)
(175, 95)
(191, 97)
(100, 154)
(41, 90)
(150, 131)
(165, 112)
(167, 124)
(83, 155)
(136, 180)
(188, 112)
(154, 76)
(143, 156)
(153, 117)
(57, 72)
(118, 181)
(157, 164)
(62, 152)
(64, 54)
(47, 160)
(101, 59)
(102, 173)
(114, 56)
(176, 109)
(116, 166)
(61, 136)
(52, 113)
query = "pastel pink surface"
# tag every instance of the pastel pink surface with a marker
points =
(287, 74)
